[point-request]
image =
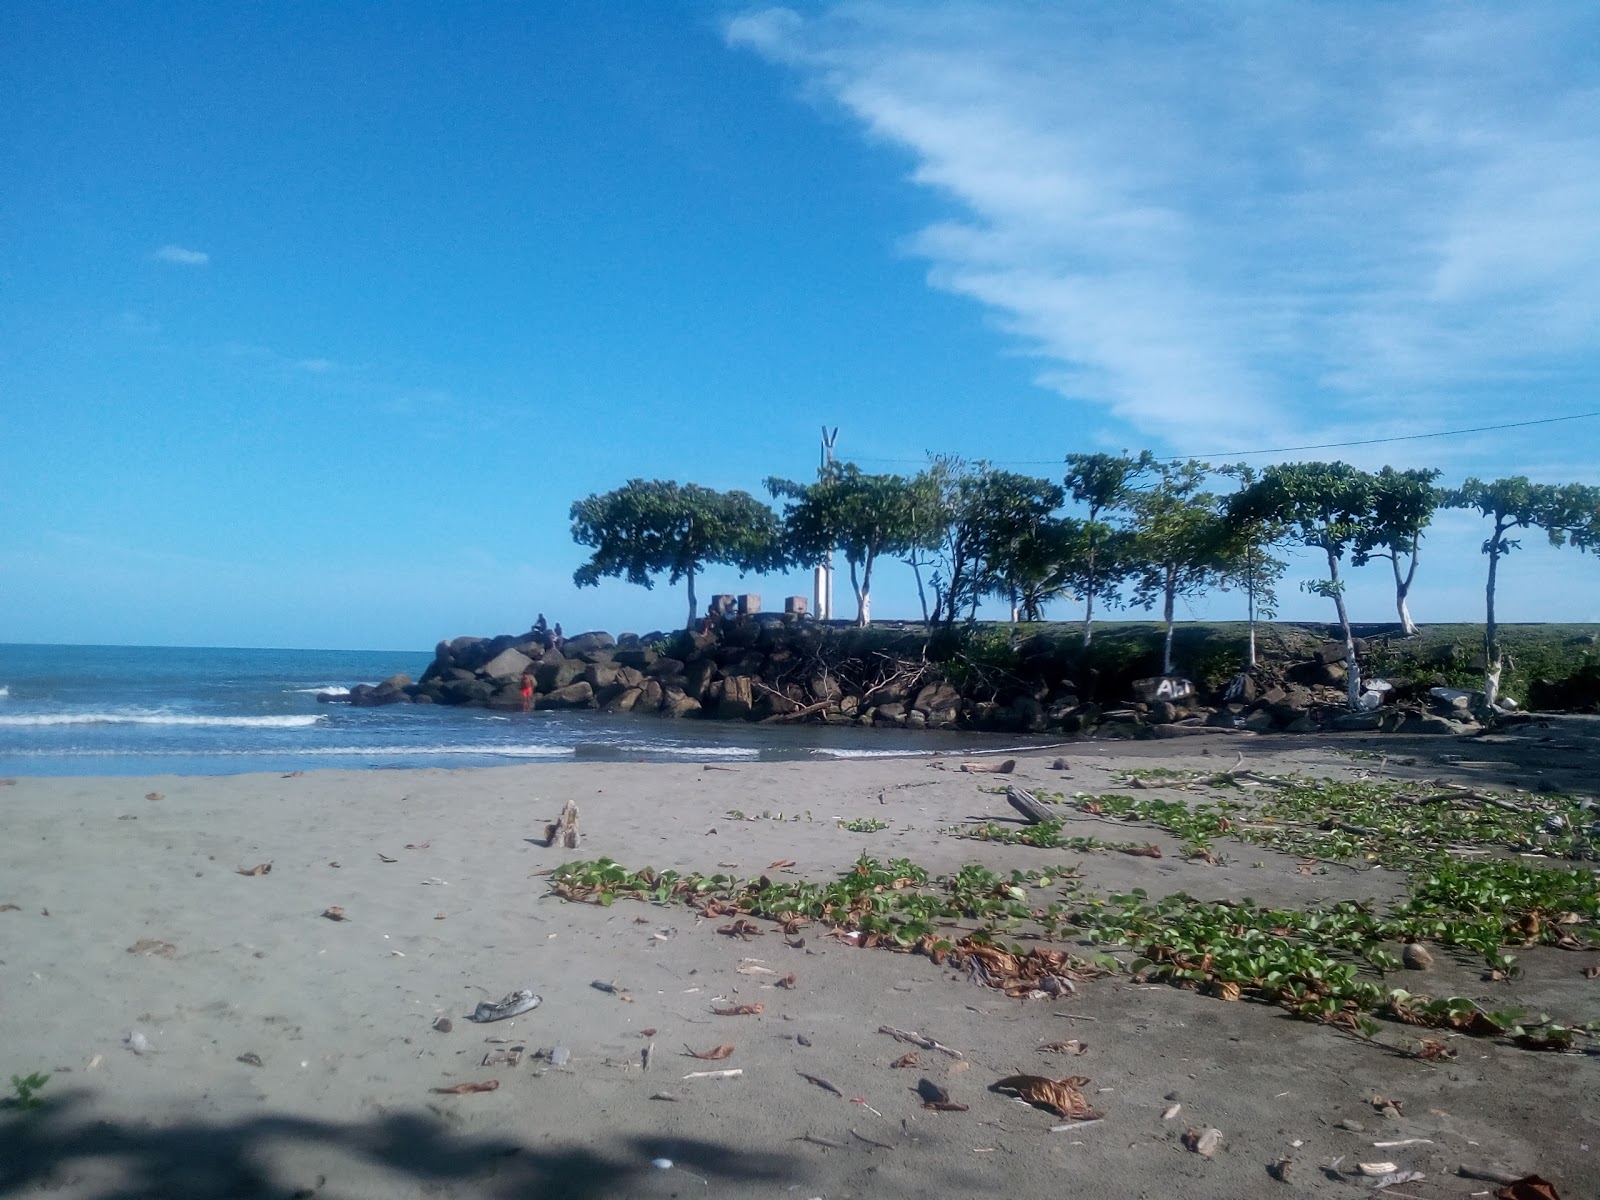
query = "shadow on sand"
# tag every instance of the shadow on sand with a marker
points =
(59, 1147)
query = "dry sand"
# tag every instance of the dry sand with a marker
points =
(341, 1014)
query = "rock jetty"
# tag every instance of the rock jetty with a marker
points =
(777, 669)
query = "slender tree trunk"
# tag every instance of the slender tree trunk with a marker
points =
(1089, 583)
(1166, 654)
(1250, 616)
(1352, 668)
(1491, 631)
(694, 605)
(915, 563)
(1402, 589)
(863, 592)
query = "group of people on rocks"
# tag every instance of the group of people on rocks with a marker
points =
(553, 640)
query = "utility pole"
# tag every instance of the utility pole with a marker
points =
(823, 581)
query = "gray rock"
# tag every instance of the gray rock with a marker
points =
(737, 699)
(508, 664)
(573, 695)
(625, 700)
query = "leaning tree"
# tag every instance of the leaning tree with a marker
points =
(1177, 543)
(861, 515)
(1568, 515)
(1325, 506)
(1403, 504)
(659, 527)
(1103, 484)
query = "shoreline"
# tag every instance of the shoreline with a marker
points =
(439, 876)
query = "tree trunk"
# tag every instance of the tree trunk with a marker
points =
(1491, 631)
(1402, 590)
(1166, 654)
(863, 592)
(694, 605)
(1352, 669)
(1088, 589)
(1250, 614)
(915, 563)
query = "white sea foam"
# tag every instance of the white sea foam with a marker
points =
(146, 718)
(332, 689)
(826, 752)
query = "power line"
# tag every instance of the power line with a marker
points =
(1405, 437)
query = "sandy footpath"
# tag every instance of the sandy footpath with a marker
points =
(438, 874)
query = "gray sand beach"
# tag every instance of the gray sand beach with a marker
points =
(282, 1053)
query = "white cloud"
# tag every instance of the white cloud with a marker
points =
(181, 256)
(1241, 225)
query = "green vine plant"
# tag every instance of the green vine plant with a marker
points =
(25, 1090)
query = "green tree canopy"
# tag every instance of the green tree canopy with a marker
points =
(1249, 560)
(1403, 504)
(1177, 542)
(1567, 515)
(1103, 484)
(659, 527)
(1326, 506)
(862, 516)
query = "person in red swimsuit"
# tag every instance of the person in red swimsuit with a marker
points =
(527, 691)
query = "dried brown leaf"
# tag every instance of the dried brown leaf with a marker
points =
(333, 912)
(715, 1054)
(259, 869)
(462, 1089)
(10, 908)
(154, 796)
(1074, 1046)
(647, 1033)
(741, 928)
(787, 982)
(382, 857)
(1529, 1187)
(741, 1010)
(418, 845)
(906, 1060)
(1060, 1096)
(822, 1083)
(780, 864)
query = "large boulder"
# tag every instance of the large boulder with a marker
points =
(737, 699)
(580, 645)
(674, 703)
(508, 664)
(629, 678)
(553, 676)
(573, 695)
(939, 703)
(601, 675)
(697, 677)
(466, 691)
(638, 657)
(624, 701)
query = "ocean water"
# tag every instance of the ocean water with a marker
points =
(139, 710)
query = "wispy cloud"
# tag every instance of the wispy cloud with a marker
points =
(181, 256)
(1234, 223)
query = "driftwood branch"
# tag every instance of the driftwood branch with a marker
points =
(1031, 809)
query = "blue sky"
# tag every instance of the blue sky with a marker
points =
(314, 320)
